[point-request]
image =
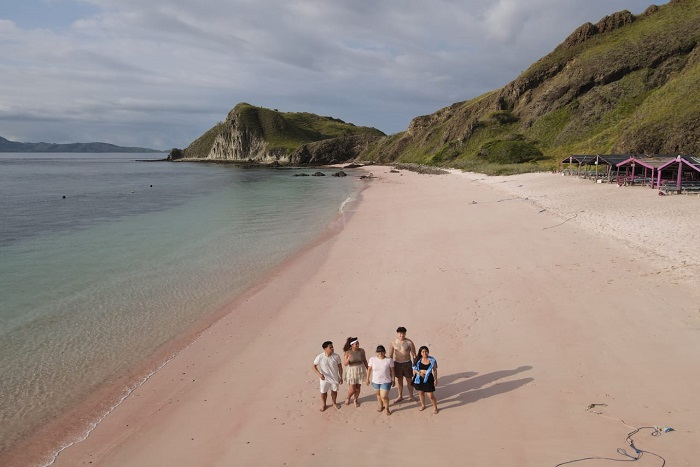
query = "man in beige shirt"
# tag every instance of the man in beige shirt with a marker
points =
(403, 351)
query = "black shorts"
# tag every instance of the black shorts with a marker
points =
(403, 370)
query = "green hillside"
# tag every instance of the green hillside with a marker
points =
(628, 84)
(283, 132)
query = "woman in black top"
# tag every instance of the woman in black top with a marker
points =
(425, 377)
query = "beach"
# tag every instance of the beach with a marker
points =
(563, 315)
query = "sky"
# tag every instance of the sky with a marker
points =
(159, 73)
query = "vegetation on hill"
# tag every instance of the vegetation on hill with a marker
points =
(282, 132)
(628, 84)
(200, 147)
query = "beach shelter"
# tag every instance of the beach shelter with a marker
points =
(579, 159)
(688, 164)
(643, 169)
(604, 163)
(610, 161)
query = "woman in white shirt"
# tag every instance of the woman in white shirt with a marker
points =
(381, 372)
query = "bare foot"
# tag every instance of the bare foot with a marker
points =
(357, 404)
(435, 411)
(347, 402)
(323, 408)
(413, 398)
(388, 412)
(380, 409)
(337, 406)
(421, 408)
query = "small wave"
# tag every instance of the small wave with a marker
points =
(340, 221)
(344, 203)
(127, 392)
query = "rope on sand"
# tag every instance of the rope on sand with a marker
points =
(638, 453)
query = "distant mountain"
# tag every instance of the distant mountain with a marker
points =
(627, 84)
(14, 146)
(260, 135)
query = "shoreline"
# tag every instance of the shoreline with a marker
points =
(496, 294)
(45, 445)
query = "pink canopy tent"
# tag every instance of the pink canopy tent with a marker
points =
(643, 169)
(691, 164)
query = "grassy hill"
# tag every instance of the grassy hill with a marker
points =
(281, 132)
(628, 84)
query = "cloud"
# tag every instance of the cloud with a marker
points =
(160, 73)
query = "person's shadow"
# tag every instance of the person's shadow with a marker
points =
(468, 387)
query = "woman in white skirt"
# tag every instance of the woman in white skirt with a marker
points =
(355, 368)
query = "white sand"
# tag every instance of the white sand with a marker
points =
(665, 228)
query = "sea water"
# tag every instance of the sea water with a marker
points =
(105, 258)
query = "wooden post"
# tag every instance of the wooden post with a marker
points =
(596, 169)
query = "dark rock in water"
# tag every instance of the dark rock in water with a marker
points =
(352, 166)
(301, 175)
(319, 174)
(175, 154)
(340, 174)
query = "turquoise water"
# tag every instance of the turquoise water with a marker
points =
(135, 254)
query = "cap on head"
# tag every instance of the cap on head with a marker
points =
(401, 329)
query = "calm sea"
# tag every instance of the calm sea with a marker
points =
(104, 259)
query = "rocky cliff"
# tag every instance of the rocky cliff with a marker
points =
(259, 135)
(333, 151)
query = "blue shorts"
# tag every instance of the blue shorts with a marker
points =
(384, 386)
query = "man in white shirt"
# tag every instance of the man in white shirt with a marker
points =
(330, 372)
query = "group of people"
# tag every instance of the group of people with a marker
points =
(383, 371)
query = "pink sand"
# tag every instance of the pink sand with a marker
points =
(532, 318)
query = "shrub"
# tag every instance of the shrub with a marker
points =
(503, 117)
(510, 152)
